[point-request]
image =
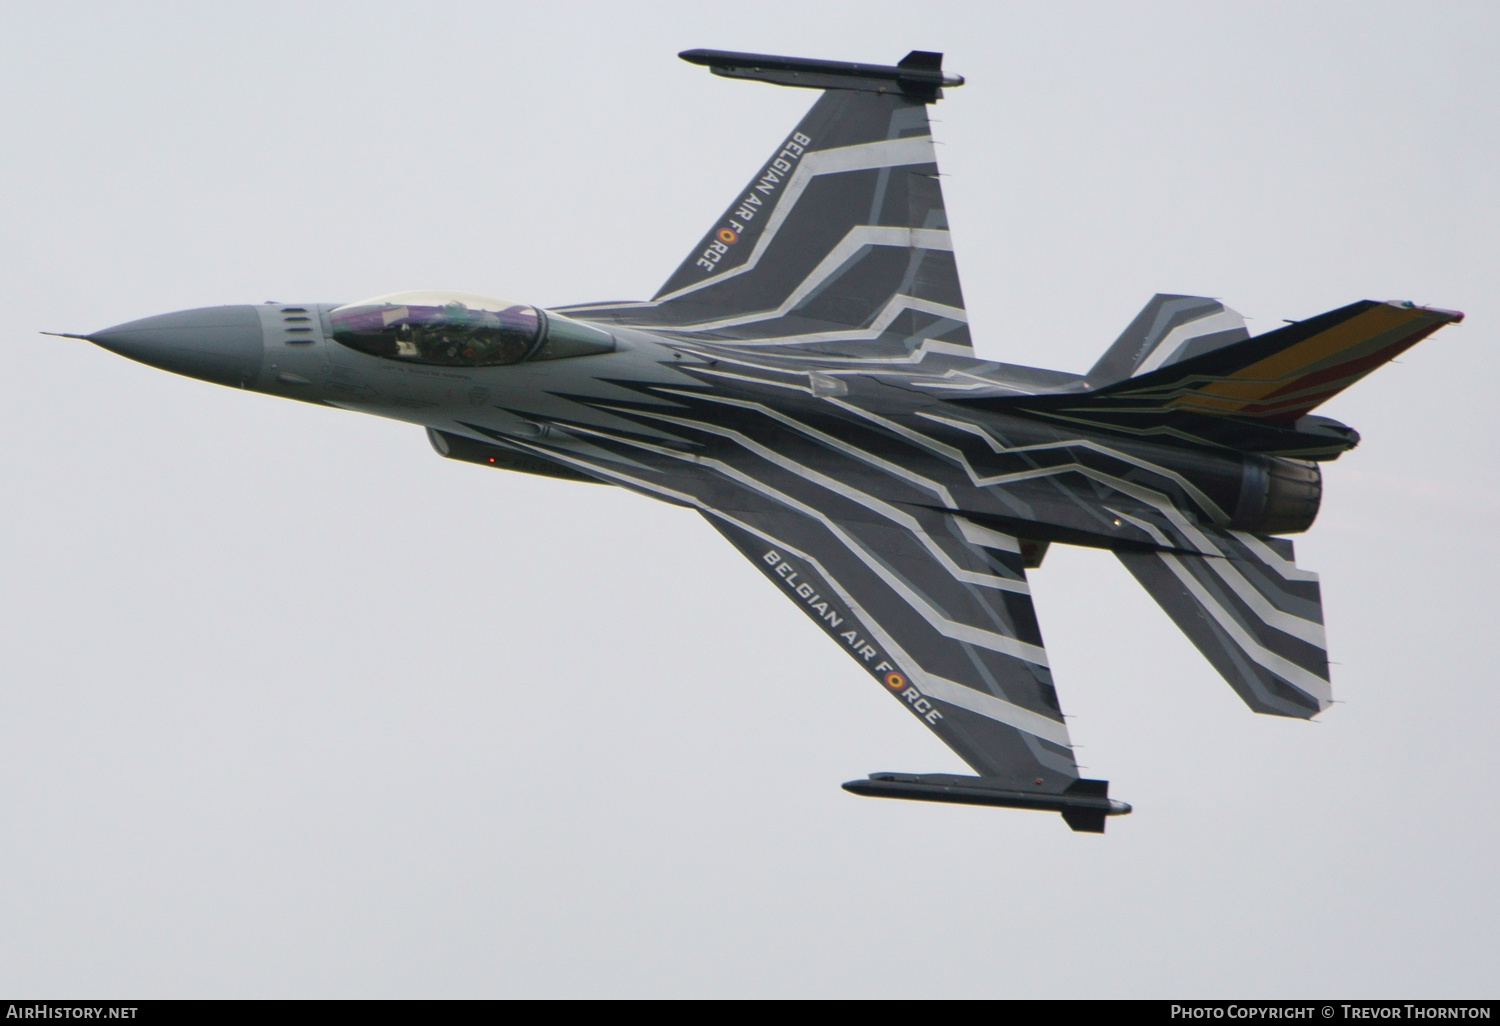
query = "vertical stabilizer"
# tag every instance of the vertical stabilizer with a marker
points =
(1170, 329)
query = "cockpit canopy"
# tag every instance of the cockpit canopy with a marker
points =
(461, 329)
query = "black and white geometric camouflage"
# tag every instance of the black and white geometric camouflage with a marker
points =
(805, 379)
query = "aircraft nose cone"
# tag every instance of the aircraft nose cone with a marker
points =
(222, 344)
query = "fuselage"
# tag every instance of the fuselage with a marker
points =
(587, 389)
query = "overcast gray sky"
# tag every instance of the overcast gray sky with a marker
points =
(292, 707)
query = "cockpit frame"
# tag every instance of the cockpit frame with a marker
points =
(461, 329)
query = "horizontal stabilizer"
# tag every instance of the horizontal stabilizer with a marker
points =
(1084, 805)
(1255, 615)
(1169, 330)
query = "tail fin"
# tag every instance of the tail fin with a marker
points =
(839, 244)
(1169, 330)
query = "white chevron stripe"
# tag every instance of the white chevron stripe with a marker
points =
(1288, 623)
(916, 149)
(985, 704)
(894, 469)
(1289, 571)
(858, 237)
(979, 535)
(1169, 344)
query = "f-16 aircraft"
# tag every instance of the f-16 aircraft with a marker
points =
(805, 380)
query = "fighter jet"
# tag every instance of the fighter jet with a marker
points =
(806, 381)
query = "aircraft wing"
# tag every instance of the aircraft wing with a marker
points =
(837, 247)
(935, 609)
(932, 606)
